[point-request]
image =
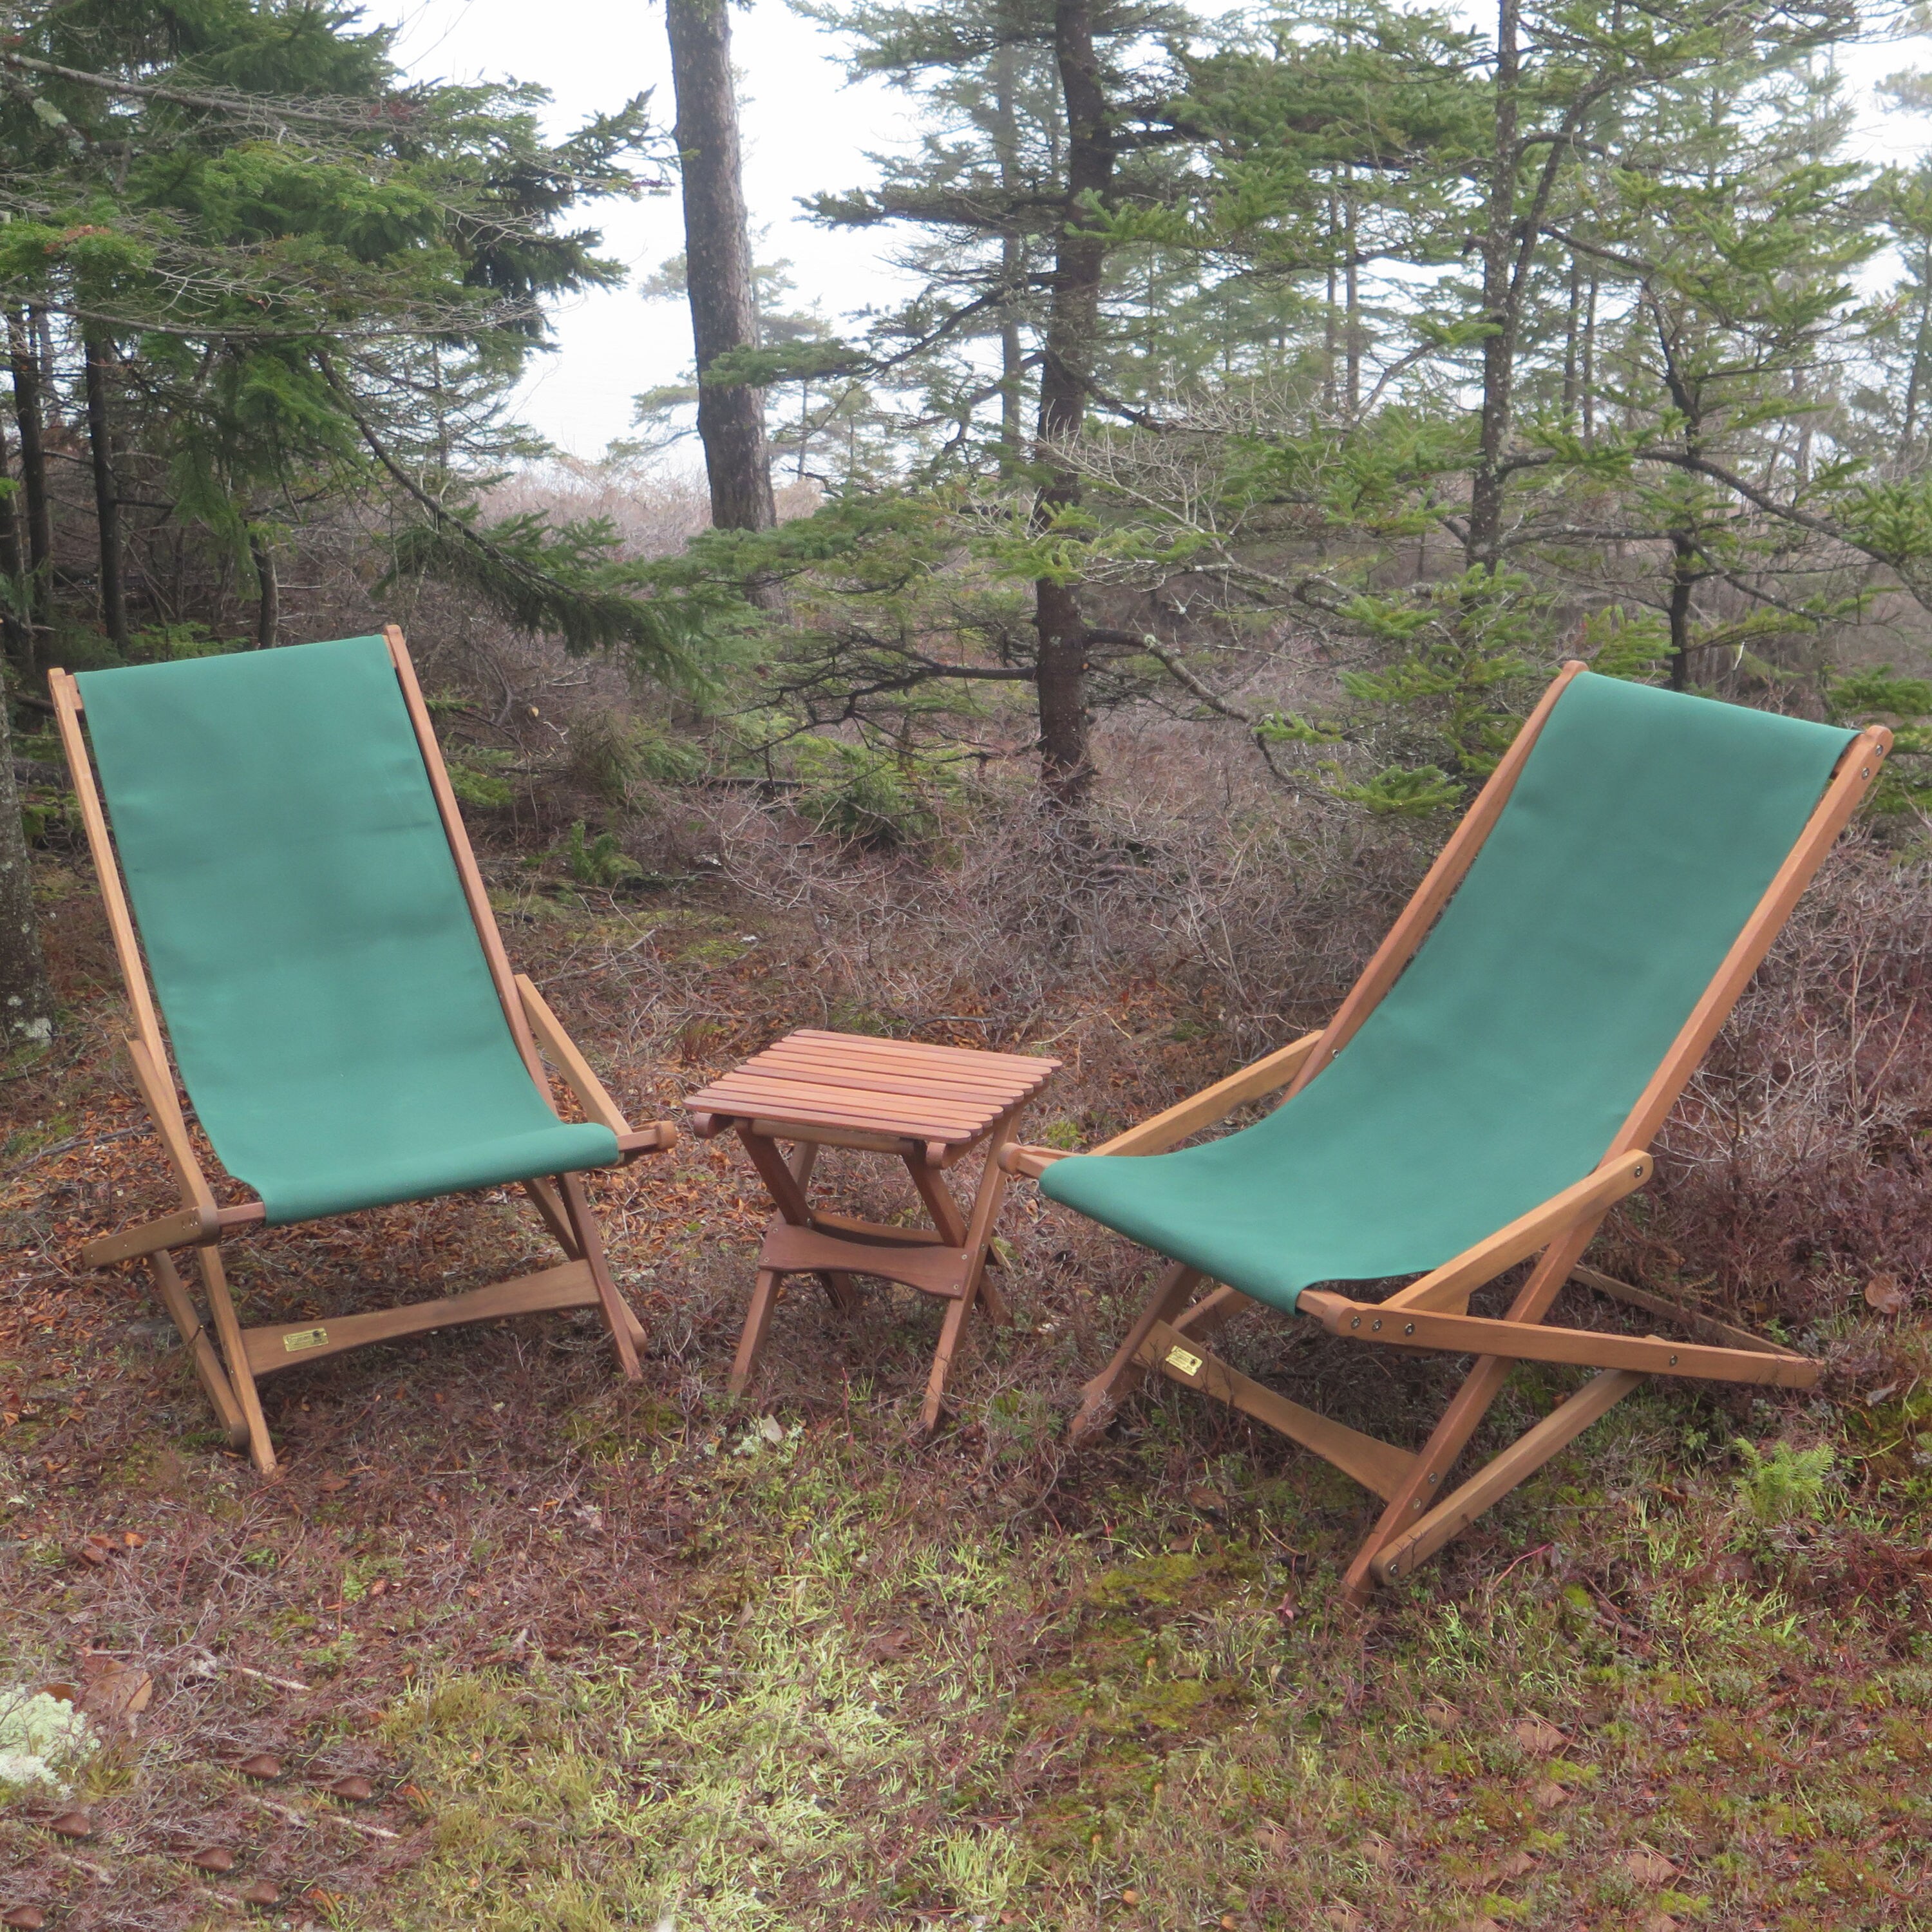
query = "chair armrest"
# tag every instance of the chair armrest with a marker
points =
(1167, 1129)
(1018, 1157)
(561, 1051)
(652, 1139)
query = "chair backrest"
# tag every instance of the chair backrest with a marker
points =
(1643, 830)
(304, 924)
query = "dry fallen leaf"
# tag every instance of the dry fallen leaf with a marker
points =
(1660, 1921)
(1548, 1795)
(356, 1789)
(213, 1857)
(1518, 1864)
(114, 1693)
(1130, 1896)
(263, 1891)
(1345, 1915)
(1209, 1502)
(1378, 1851)
(73, 1825)
(262, 1766)
(1441, 1714)
(1539, 1737)
(330, 1485)
(28, 1918)
(92, 1553)
(1885, 1293)
(1648, 1867)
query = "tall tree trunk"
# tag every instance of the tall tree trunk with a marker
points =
(1922, 340)
(718, 262)
(27, 414)
(1352, 296)
(99, 356)
(1683, 582)
(1013, 260)
(26, 999)
(269, 604)
(1072, 331)
(1573, 333)
(16, 619)
(1590, 366)
(1482, 547)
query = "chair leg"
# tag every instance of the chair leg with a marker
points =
(556, 1218)
(617, 1318)
(757, 1319)
(1424, 1485)
(1101, 1397)
(235, 1352)
(1502, 1473)
(201, 1351)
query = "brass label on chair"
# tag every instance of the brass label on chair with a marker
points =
(1179, 1358)
(305, 1338)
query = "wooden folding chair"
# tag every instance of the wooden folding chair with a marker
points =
(1489, 1089)
(342, 1011)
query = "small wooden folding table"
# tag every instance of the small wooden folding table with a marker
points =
(928, 1105)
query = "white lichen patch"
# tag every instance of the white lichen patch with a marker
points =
(44, 1740)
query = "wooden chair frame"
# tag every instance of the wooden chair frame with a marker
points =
(229, 1377)
(1420, 1515)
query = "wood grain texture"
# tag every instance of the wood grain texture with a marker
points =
(948, 1097)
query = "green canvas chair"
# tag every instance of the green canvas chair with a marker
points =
(1488, 1089)
(342, 1013)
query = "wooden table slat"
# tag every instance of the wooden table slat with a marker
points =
(876, 1082)
(777, 1100)
(906, 1088)
(776, 1123)
(966, 1058)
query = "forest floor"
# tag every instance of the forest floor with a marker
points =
(616, 1656)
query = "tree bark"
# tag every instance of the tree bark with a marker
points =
(16, 619)
(1483, 547)
(1012, 257)
(99, 358)
(1072, 331)
(269, 604)
(718, 262)
(26, 998)
(27, 414)
(1683, 582)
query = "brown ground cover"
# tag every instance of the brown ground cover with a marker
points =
(607, 1656)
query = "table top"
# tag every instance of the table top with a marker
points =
(949, 1095)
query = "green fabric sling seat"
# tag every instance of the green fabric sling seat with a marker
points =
(1642, 832)
(330, 1007)
(1487, 1092)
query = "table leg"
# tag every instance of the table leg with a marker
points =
(757, 1319)
(973, 1282)
(785, 1181)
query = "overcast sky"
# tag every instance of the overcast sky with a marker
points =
(804, 129)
